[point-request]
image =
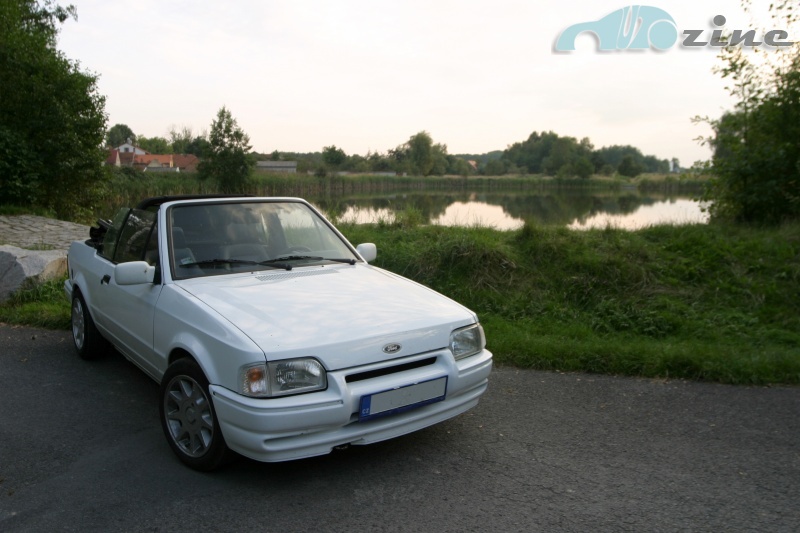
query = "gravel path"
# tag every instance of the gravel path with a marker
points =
(40, 233)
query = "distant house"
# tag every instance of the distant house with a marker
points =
(129, 147)
(119, 159)
(288, 167)
(148, 162)
(155, 163)
(123, 155)
(186, 162)
(113, 158)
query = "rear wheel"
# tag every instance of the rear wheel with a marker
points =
(88, 342)
(188, 417)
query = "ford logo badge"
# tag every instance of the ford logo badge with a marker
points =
(392, 348)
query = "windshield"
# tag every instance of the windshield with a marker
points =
(222, 238)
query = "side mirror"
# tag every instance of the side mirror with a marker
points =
(368, 251)
(134, 273)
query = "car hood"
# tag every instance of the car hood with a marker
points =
(341, 314)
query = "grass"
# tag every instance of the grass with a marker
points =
(41, 305)
(704, 302)
(670, 183)
(696, 302)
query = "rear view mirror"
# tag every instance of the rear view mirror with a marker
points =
(368, 251)
(134, 273)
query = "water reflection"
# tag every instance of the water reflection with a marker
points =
(507, 211)
(674, 212)
(475, 213)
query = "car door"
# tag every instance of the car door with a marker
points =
(129, 309)
(99, 271)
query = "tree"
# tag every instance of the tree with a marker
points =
(756, 160)
(378, 162)
(52, 119)
(420, 156)
(629, 167)
(154, 145)
(613, 156)
(651, 163)
(458, 166)
(199, 146)
(357, 163)
(440, 160)
(227, 162)
(495, 167)
(420, 153)
(561, 155)
(333, 157)
(119, 134)
(548, 153)
(180, 139)
(583, 168)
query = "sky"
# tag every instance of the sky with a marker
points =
(365, 75)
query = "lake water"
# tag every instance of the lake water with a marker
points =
(627, 209)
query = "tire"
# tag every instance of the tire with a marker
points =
(188, 417)
(88, 342)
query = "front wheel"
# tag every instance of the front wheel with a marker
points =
(88, 342)
(188, 417)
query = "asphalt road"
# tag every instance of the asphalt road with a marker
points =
(81, 449)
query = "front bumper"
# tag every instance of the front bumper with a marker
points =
(306, 425)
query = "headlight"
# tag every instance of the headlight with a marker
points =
(467, 341)
(281, 378)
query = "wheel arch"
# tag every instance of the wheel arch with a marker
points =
(78, 283)
(186, 327)
(181, 353)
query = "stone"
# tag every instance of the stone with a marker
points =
(19, 266)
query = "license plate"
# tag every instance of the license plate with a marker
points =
(402, 398)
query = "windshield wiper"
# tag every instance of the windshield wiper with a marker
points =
(307, 258)
(292, 258)
(208, 262)
(278, 262)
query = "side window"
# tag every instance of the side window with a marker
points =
(112, 235)
(151, 251)
(135, 236)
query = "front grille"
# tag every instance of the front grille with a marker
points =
(369, 374)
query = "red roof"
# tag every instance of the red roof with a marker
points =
(113, 157)
(186, 162)
(165, 160)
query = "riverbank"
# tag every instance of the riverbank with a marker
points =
(697, 302)
(125, 190)
(700, 302)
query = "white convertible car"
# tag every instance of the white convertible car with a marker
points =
(269, 333)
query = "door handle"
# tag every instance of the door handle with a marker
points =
(106, 279)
